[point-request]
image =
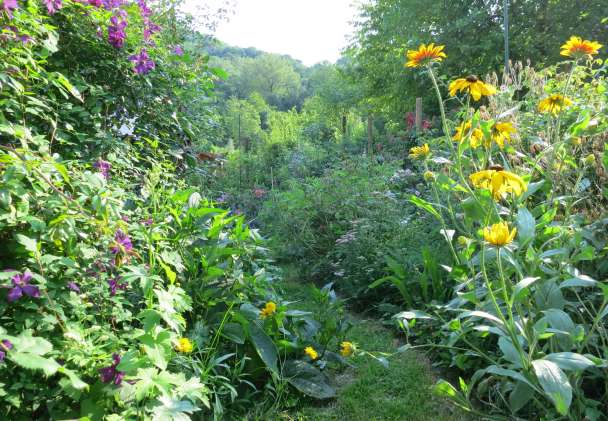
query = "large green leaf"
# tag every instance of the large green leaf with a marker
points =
(570, 360)
(555, 384)
(264, 346)
(308, 379)
(526, 225)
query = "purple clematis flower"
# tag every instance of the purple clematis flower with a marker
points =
(148, 222)
(21, 285)
(95, 3)
(122, 242)
(178, 50)
(116, 32)
(8, 6)
(5, 346)
(73, 286)
(53, 5)
(103, 167)
(142, 62)
(110, 374)
(115, 286)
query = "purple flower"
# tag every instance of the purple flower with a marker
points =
(144, 9)
(115, 286)
(150, 29)
(116, 32)
(142, 62)
(8, 6)
(148, 222)
(5, 346)
(110, 374)
(53, 5)
(103, 167)
(73, 286)
(112, 4)
(122, 242)
(178, 50)
(21, 285)
(95, 3)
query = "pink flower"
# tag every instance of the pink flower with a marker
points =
(8, 6)
(53, 5)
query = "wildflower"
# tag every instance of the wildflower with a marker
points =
(464, 130)
(73, 286)
(554, 104)
(116, 32)
(310, 351)
(142, 62)
(178, 50)
(269, 309)
(148, 222)
(115, 286)
(475, 87)
(103, 167)
(501, 133)
(420, 152)
(184, 345)
(21, 285)
(5, 346)
(499, 182)
(259, 193)
(144, 9)
(53, 5)
(122, 243)
(347, 349)
(499, 235)
(95, 3)
(429, 176)
(8, 6)
(578, 48)
(425, 54)
(110, 373)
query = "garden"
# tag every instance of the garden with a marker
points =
(193, 230)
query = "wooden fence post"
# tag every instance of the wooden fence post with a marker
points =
(418, 115)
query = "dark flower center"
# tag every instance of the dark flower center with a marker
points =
(472, 79)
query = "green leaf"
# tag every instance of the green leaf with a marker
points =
(29, 243)
(526, 225)
(75, 381)
(423, 204)
(521, 289)
(264, 346)
(522, 394)
(555, 384)
(308, 379)
(34, 362)
(234, 332)
(570, 360)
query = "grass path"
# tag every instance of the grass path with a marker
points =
(371, 392)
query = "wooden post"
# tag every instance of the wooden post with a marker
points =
(370, 136)
(418, 115)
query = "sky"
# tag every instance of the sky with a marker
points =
(308, 30)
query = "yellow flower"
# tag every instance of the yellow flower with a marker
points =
(464, 130)
(347, 349)
(184, 345)
(429, 176)
(475, 87)
(576, 48)
(425, 54)
(554, 104)
(420, 152)
(269, 309)
(501, 133)
(499, 182)
(499, 234)
(310, 351)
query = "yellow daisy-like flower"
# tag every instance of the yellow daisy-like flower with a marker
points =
(471, 84)
(184, 345)
(499, 182)
(420, 152)
(464, 130)
(269, 309)
(501, 133)
(576, 47)
(310, 351)
(554, 104)
(347, 349)
(425, 54)
(499, 235)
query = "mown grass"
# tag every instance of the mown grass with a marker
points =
(371, 392)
